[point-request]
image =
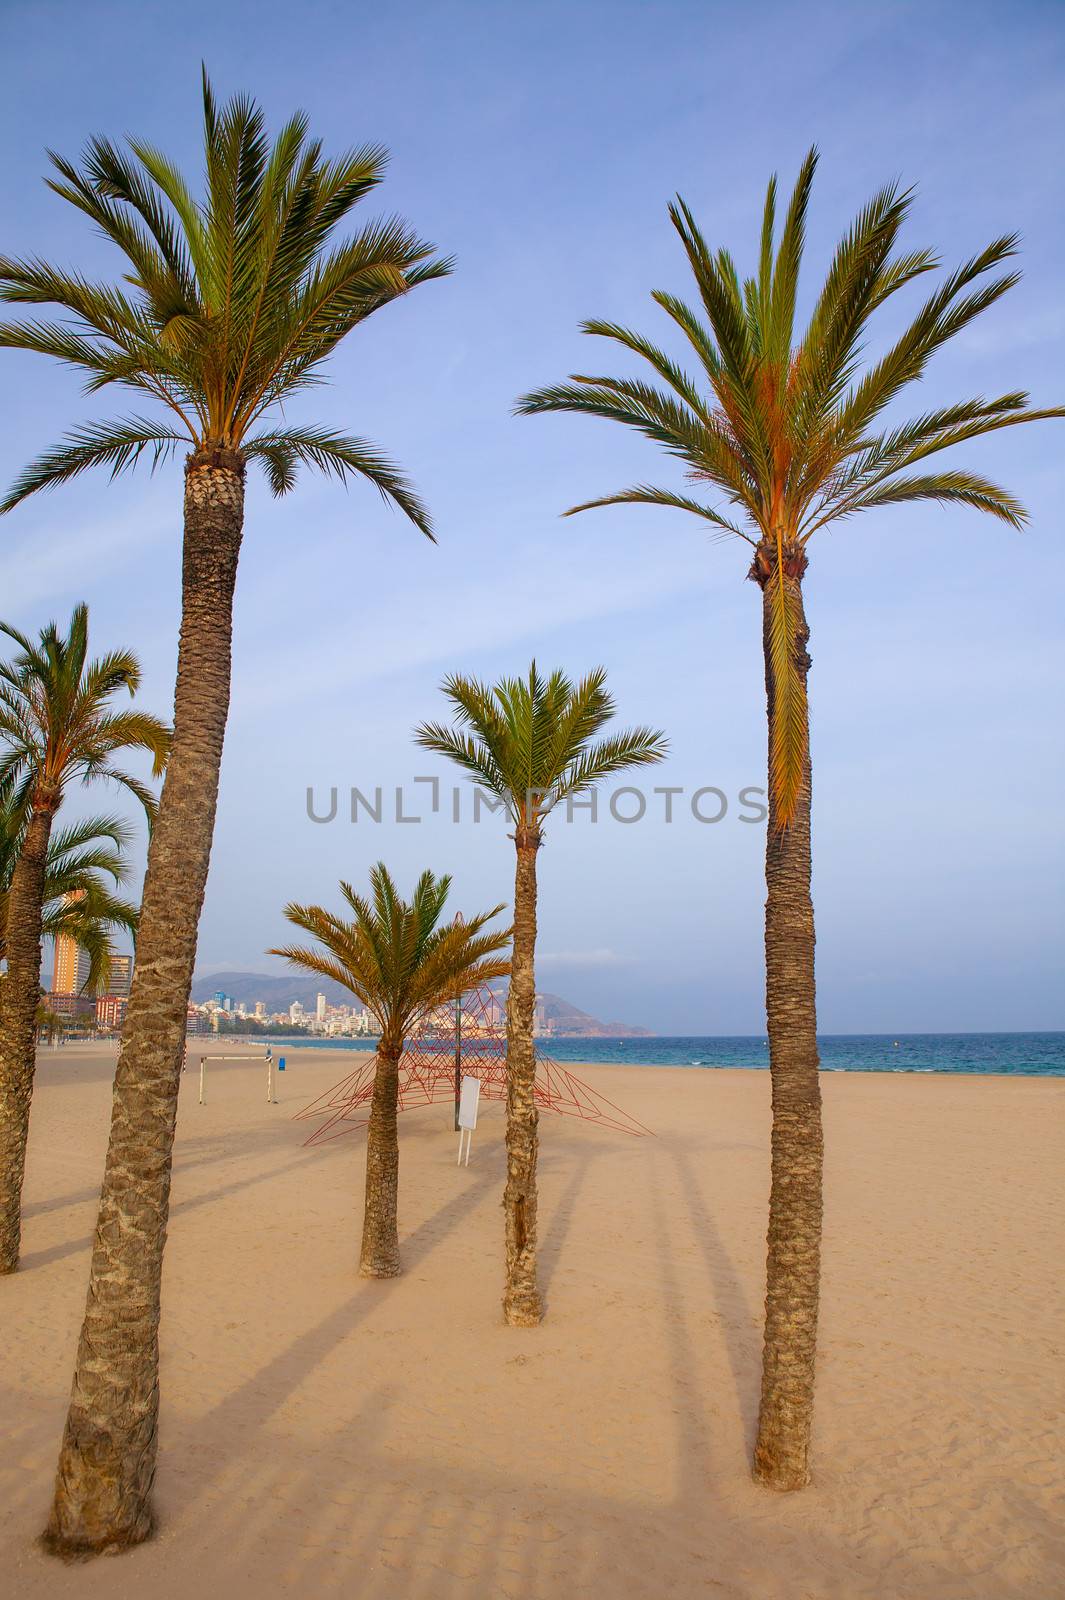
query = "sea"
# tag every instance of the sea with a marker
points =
(1024, 1055)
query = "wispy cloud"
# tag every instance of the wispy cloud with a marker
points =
(55, 562)
(558, 593)
(581, 958)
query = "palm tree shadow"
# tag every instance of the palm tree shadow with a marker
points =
(216, 1150)
(562, 1215)
(421, 1243)
(694, 1424)
(263, 1394)
(57, 1252)
(739, 1324)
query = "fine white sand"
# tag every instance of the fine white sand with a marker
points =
(325, 1435)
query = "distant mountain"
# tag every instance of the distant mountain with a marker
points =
(277, 994)
(566, 1019)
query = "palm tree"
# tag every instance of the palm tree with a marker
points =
(229, 307)
(782, 426)
(529, 742)
(395, 957)
(58, 727)
(77, 900)
(49, 1025)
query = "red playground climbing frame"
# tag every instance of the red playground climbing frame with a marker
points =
(427, 1073)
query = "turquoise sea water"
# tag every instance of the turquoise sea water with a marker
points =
(1035, 1055)
(1027, 1054)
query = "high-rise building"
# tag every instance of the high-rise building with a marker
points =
(295, 1011)
(70, 971)
(260, 1009)
(111, 1010)
(121, 976)
(319, 1008)
(69, 1005)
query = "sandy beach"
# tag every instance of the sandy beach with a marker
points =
(325, 1435)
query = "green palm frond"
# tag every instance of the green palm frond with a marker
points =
(783, 422)
(530, 740)
(467, 752)
(56, 718)
(117, 445)
(646, 494)
(394, 954)
(77, 899)
(91, 915)
(959, 488)
(331, 452)
(232, 300)
(640, 747)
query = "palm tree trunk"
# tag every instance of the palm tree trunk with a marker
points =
(522, 1306)
(20, 994)
(380, 1227)
(794, 1243)
(107, 1460)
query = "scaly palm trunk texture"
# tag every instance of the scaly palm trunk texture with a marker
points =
(20, 992)
(380, 1227)
(107, 1460)
(522, 1306)
(794, 1244)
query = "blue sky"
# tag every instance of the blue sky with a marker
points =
(541, 146)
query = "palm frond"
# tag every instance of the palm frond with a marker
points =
(118, 445)
(639, 747)
(58, 726)
(957, 487)
(233, 298)
(783, 422)
(529, 739)
(345, 458)
(394, 955)
(646, 494)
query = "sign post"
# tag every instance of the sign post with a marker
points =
(458, 1059)
(469, 1096)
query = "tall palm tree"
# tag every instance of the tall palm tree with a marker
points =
(58, 727)
(530, 742)
(78, 902)
(396, 958)
(230, 306)
(783, 425)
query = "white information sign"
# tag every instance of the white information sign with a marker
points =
(469, 1095)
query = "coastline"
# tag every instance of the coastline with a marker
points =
(1038, 1054)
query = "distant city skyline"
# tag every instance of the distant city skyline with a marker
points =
(541, 145)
